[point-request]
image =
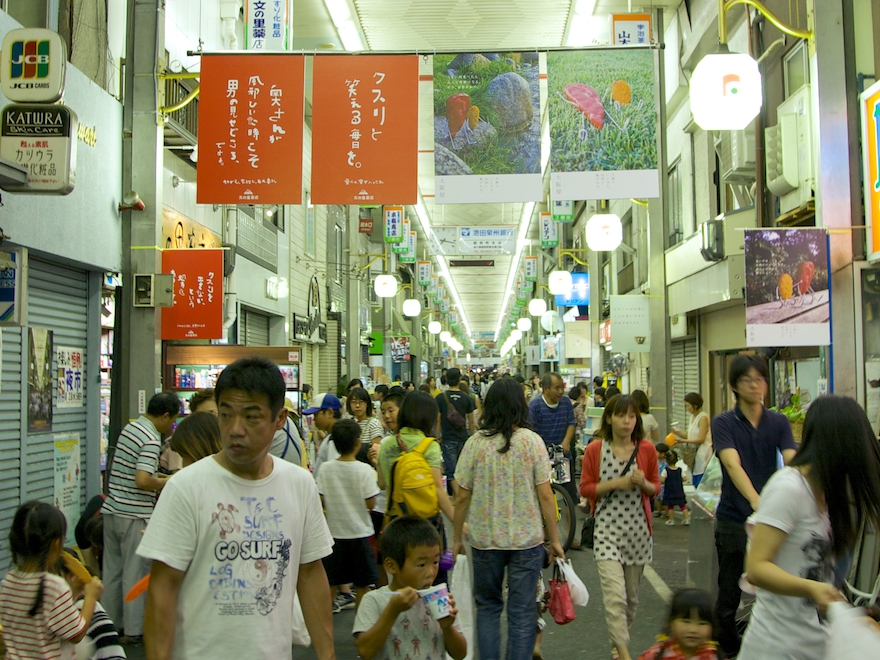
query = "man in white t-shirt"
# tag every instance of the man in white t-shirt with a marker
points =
(234, 535)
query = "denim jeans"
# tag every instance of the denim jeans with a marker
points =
(523, 572)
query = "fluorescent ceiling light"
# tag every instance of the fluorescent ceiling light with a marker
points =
(578, 26)
(444, 271)
(525, 222)
(346, 26)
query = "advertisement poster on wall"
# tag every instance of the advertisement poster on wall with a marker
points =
(787, 294)
(550, 348)
(631, 324)
(250, 122)
(603, 124)
(870, 113)
(69, 367)
(400, 349)
(365, 129)
(197, 312)
(40, 380)
(487, 128)
(66, 473)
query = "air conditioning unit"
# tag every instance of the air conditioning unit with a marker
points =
(738, 156)
(789, 150)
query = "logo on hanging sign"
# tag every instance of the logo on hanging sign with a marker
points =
(33, 67)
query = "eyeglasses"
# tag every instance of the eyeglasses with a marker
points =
(745, 380)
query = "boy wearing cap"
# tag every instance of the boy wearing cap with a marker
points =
(326, 410)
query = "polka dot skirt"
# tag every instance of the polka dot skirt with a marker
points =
(621, 528)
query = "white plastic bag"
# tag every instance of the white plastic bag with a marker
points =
(462, 589)
(576, 587)
(300, 632)
(852, 634)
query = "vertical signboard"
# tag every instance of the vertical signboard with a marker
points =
(402, 246)
(66, 481)
(409, 257)
(870, 100)
(549, 231)
(266, 26)
(197, 312)
(788, 298)
(13, 286)
(69, 384)
(631, 29)
(365, 129)
(531, 268)
(603, 124)
(250, 129)
(424, 273)
(631, 322)
(393, 225)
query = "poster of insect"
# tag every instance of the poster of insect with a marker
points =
(487, 127)
(603, 124)
(787, 294)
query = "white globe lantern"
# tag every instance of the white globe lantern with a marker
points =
(725, 92)
(559, 282)
(537, 306)
(549, 320)
(434, 327)
(604, 232)
(524, 324)
(412, 307)
(445, 336)
(516, 335)
(385, 286)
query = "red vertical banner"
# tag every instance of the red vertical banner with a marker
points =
(197, 312)
(365, 129)
(250, 129)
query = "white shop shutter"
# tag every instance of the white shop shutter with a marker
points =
(57, 301)
(255, 328)
(685, 377)
(329, 359)
(10, 438)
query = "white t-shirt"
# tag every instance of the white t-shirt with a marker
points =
(414, 634)
(345, 487)
(785, 626)
(704, 452)
(649, 424)
(288, 444)
(241, 543)
(326, 453)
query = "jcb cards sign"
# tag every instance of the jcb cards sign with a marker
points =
(33, 66)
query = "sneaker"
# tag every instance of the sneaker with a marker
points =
(670, 522)
(687, 522)
(343, 602)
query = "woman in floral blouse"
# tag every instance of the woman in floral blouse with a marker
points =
(504, 494)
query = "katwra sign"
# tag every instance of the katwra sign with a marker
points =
(42, 140)
(34, 63)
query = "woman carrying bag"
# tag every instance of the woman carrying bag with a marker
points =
(619, 478)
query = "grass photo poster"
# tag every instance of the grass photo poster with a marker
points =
(603, 124)
(487, 127)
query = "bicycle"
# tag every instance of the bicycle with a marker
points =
(566, 513)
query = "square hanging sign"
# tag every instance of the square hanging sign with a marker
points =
(563, 211)
(424, 273)
(393, 224)
(549, 231)
(531, 268)
(403, 245)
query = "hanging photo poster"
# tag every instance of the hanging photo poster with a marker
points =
(603, 124)
(400, 349)
(487, 128)
(40, 380)
(787, 294)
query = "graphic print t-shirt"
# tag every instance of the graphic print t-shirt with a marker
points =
(240, 543)
(787, 503)
(415, 634)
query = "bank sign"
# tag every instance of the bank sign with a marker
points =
(33, 66)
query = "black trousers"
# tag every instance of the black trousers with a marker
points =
(730, 543)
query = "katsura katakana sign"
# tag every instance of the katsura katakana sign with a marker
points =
(41, 139)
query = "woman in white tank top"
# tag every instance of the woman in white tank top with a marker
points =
(697, 449)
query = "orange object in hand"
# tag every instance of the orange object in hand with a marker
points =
(75, 566)
(670, 439)
(138, 589)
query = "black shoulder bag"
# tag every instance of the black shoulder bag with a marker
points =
(589, 532)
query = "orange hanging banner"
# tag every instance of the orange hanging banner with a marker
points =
(250, 129)
(365, 129)
(197, 312)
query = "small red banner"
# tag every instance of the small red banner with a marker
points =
(197, 312)
(250, 129)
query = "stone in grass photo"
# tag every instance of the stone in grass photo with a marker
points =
(602, 110)
(487, 114)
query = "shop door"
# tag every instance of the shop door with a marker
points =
(684, 377)
(255, 328)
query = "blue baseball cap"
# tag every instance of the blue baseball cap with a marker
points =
(323, 402)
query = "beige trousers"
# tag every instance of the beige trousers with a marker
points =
(620, 595)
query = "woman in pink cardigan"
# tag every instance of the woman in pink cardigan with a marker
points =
(619, 478)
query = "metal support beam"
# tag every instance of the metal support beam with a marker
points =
(138, 360)
(838, 193)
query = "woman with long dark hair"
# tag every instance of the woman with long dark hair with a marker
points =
(619, 478)
(808, 518)
(505, 496)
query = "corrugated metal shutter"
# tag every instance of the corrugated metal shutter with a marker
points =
(58, 301)
(255, 330)
(329, 358)
(10, 437)
(685, 375)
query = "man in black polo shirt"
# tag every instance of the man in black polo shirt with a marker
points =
(748, 440)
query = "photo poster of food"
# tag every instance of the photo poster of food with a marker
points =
(400, 349)
(487, 127)
(787, 294)
(40, 380)
(603, 124)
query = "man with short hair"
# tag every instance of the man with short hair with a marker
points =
(131, 496)
(748, 440)
(235, 535)
(326, 410)
(452, 437)
(551, 416)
